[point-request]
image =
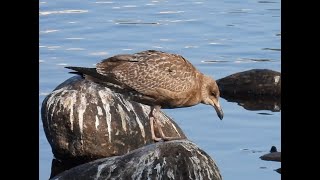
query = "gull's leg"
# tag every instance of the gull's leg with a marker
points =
(156, 111)
(151, 118)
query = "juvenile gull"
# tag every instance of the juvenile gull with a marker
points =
(158, 79)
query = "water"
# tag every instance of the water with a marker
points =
(237, 35)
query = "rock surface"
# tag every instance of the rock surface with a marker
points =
(180, 159)
(254, 82)
(85, 121)
(274, 156)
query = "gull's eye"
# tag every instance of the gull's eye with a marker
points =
(213, 94)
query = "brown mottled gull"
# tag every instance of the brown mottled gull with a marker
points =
(158, 79)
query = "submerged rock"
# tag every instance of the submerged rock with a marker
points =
(85, 121)
(254, 82)
(274, 155)
(180, 159)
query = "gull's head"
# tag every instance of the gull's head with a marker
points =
(210, 94)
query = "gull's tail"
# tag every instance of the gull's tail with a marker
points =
(92, 74)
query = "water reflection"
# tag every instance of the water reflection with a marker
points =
(256, 103)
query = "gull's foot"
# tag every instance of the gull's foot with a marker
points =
(163, 136)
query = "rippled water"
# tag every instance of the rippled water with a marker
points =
(218, 37)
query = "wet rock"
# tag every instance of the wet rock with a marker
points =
(273, 149)
(58, 166)
(255, 82)
(180, 159)
(85, 121)
(274, 155)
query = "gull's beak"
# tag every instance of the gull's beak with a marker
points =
(218, 109)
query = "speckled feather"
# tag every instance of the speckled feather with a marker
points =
(150, 70)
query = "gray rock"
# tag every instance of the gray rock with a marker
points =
(255, 82)
(180, 159)
(85, 121)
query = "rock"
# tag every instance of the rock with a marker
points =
(274, 155)
(84, 121)
(273, 149)
(58, 166)
(255, 82)
(179, 159)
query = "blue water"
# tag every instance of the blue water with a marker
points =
(233, 32)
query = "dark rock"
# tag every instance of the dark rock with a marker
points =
(274, 155)
(180, 159)
(255, 82)
(273, 149)
(58, 166)
(85, 121)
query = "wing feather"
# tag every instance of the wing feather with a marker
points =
(150, 70)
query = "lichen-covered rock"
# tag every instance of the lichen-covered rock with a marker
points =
(255, 82)
(177, 160)
(85, 121)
